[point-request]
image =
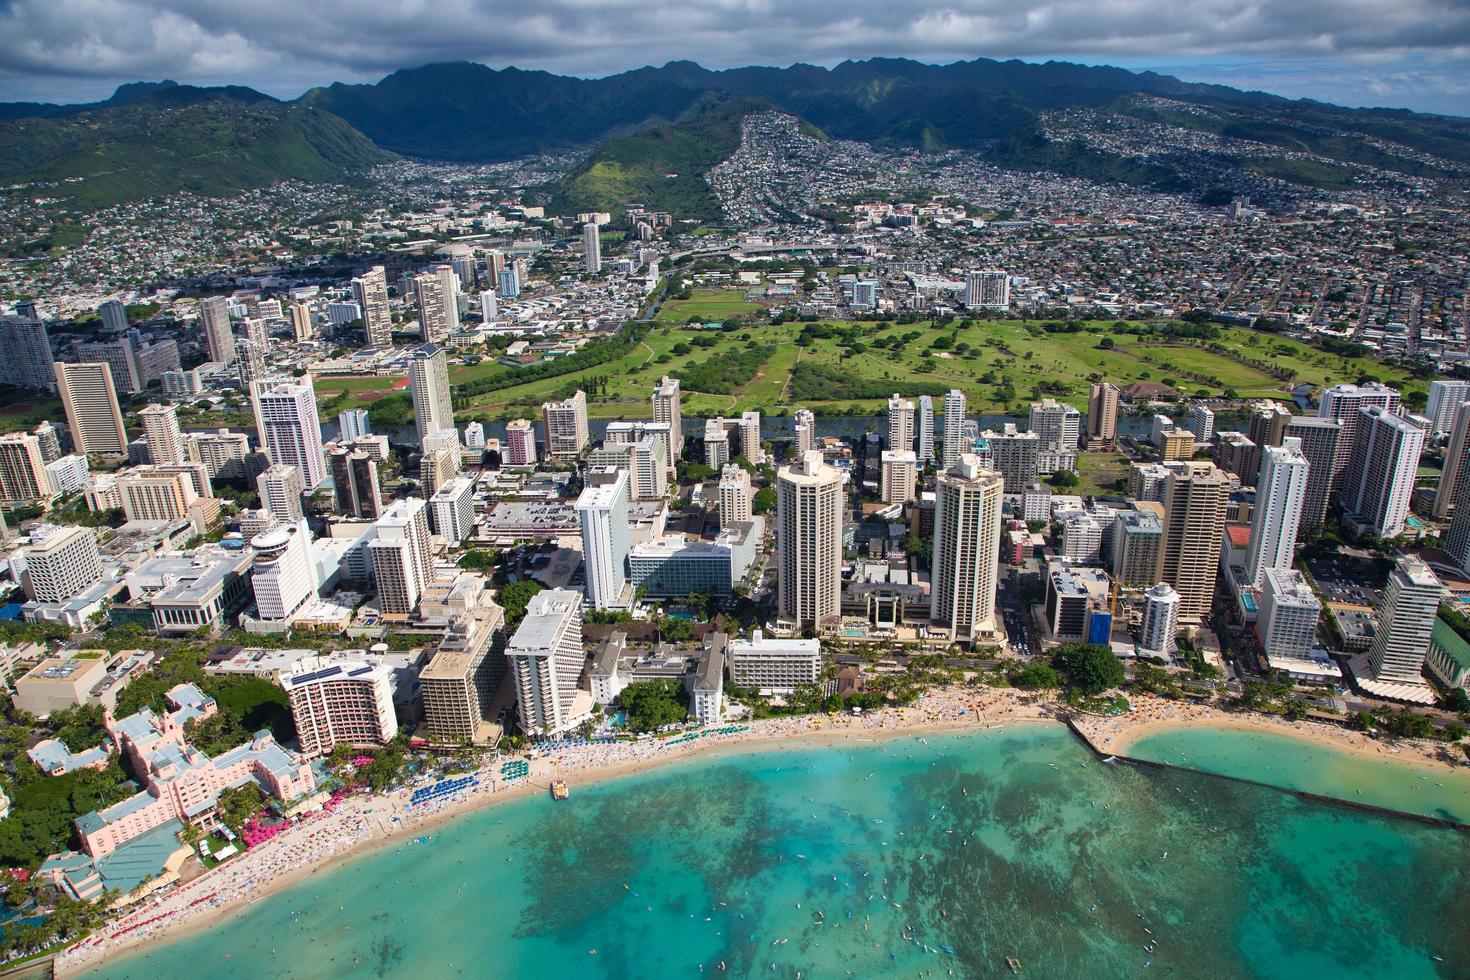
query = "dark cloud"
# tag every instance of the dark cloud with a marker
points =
(1410, 52)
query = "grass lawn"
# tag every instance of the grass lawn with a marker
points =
(1101, 473)
(22, 416)
(997, 355)
(709, 304)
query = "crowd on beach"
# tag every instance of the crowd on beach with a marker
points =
(315, 839)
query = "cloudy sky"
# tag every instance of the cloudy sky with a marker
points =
(1412, 53)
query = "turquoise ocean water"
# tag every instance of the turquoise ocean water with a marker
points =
(1311, 768)
(875, 861)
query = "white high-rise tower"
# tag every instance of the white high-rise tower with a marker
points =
(954, 427)
(1281, 492)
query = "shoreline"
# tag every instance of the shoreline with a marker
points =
(363, 825)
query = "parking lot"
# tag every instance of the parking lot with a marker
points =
(1347, 579)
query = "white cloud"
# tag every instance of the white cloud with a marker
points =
(1409, 52)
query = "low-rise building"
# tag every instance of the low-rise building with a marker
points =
(774, 665)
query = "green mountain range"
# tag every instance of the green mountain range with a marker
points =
(679, 119)
(178, 138)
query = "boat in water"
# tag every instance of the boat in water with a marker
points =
(559, 789)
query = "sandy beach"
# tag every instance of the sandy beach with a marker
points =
(362, 824)
(365, 823)
(1151, 715)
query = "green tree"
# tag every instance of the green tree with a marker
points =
(515, 596)
(653, 704)
(238, 804)
(1036, 677)
(1089, 668)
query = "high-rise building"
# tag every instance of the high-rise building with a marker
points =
(1318, 438)
(546, 661)
(602, 512)
(23, 478)
(509, 280)
(458, 685)
(749, 427)
(287, 418)
(735, 496)
(926, 430)
(428, 376)
(1381, 480)
(27, 346)
(565, 426)
(1057, 425)
(221, 452)
(452, 510)
(250, 362)
(115, 317)
(119, 355)
(804, 433)
(1405, 623)
(1445, 398)
(474, 435)
(283, 575)
(666, 409)
(1343, 402)
(1281, 493)
(161, 429)
(1288, 613)
(342, 699)
(1200, 423)
(92, 412)
(1160, 621)
(61, 563)
(428, 290)
(219, 339)
(302, 329)
(716, 444)
(371, 290)
(987, 288)
(954, 428)
(355, 487)
(1456, 461)
(48, 437)
(900, 423)
(1017, 455)
(152, 494)
(1457, 538)
(489, 306)
(281, 488)
(520, 443)
(966, 555)
(899, 481)
(401, 557)
(449, 292)
(1195, 495)
(809, 514)
(591, 248)
(1137, 538)
(353, 424)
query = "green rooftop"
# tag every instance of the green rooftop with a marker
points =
(1452, 643)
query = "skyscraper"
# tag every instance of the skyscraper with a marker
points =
(1318, 438)
(966, 556)
(27, 360)
(987, 288)
(809, 513)
(115, 318)
(565, 425)
(22, 469)
(735, 496)
(926, 430)
(602, 512)
(302, 329)
(954, 428)
(1454, 461)
(1381, 479)
(353, 423)
(428, 375)
(1343, 403)
(666, 408)
(459, 684)
(452, 510)
(900, 424)
(287, 418)
(1195, 495)
(1102, 413)
(355, 488)
(449, 292)
(591, 248)
(1160, 621)
(1280, 495)
(371, 289)
(283, 575)
(401, 559)
(1405, 623)
(1445, 398)
(899, 477)
(510, 282)
(1057, 425)
(520, 443)
(92, 412)
(804, 433)
(280, 488)
(161, 428)
(545, 658)
(219, 339)
(428, 288)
